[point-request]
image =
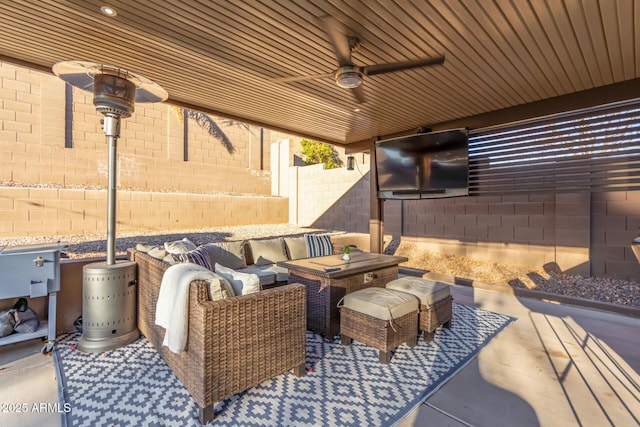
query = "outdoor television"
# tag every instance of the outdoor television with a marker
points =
(423, 165)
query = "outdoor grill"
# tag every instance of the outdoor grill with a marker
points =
(109, 288)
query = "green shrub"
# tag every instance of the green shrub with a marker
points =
(319, 152)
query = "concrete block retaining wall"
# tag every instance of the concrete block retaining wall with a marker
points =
(46, 211)
(332, 199)
(51, 135)
(582, 233)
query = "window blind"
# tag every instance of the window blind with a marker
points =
(588, 150)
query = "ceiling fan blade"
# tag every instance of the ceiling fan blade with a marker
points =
(301, 78)
(372, 70)
(358, 94)
(338, 37)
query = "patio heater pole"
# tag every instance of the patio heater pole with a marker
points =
(112, 130)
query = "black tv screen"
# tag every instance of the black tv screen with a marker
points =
(425, 165)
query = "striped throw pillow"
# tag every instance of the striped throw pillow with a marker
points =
(318, 245)
(199, 256)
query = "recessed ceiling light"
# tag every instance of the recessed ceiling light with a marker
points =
(356, 110)
(107, 10)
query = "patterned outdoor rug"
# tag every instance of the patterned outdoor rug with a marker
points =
(345, 386)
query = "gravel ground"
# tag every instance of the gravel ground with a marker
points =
(614, 291)
(599, 289)
(88, 246)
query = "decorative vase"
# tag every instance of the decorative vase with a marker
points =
(346, 257)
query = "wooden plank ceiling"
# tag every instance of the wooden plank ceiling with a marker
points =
(224, 56)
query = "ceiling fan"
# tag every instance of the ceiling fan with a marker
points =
(348, 75)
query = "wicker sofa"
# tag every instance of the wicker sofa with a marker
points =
(257, 256)
(234, 343)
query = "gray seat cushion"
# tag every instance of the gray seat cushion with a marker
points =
(268, 274)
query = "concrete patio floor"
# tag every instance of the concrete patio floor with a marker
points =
(556, 365)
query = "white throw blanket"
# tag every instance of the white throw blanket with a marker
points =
(172, 308)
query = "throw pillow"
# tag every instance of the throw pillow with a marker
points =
(199, 256)
(170, 259)
(141, 247)
(179, 246)
(242, 283)
(318, 245)
(267, 252)
(296, 247)
(220, 288)
(158, 252)
(229, 254)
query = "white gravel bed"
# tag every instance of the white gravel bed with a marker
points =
(622, 292)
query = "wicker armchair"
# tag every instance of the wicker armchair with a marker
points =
(234, 344)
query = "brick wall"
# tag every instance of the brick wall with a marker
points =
(332, 199)
(578, 233)
(39, 211)
(615, 222)
(582, 233)
(150, 147)
(38, 146)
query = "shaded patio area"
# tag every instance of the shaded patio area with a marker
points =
(555, 365)
(545, 93)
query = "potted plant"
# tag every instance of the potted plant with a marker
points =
(347, 251)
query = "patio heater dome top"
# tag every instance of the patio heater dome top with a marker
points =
(115, 89)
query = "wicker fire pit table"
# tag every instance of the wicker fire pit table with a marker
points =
(329, 278)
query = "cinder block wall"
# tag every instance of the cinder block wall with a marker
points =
(150, 147)
(51, 135)
(39, 211)
(331, 199)
(582, 233)
(615, 222)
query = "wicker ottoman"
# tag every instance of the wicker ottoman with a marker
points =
(435, 302)
(380, 318)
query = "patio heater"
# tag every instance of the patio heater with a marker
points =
(109, 288)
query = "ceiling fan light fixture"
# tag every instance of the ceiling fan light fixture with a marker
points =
(348, 77)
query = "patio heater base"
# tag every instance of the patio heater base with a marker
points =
(109, 306)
